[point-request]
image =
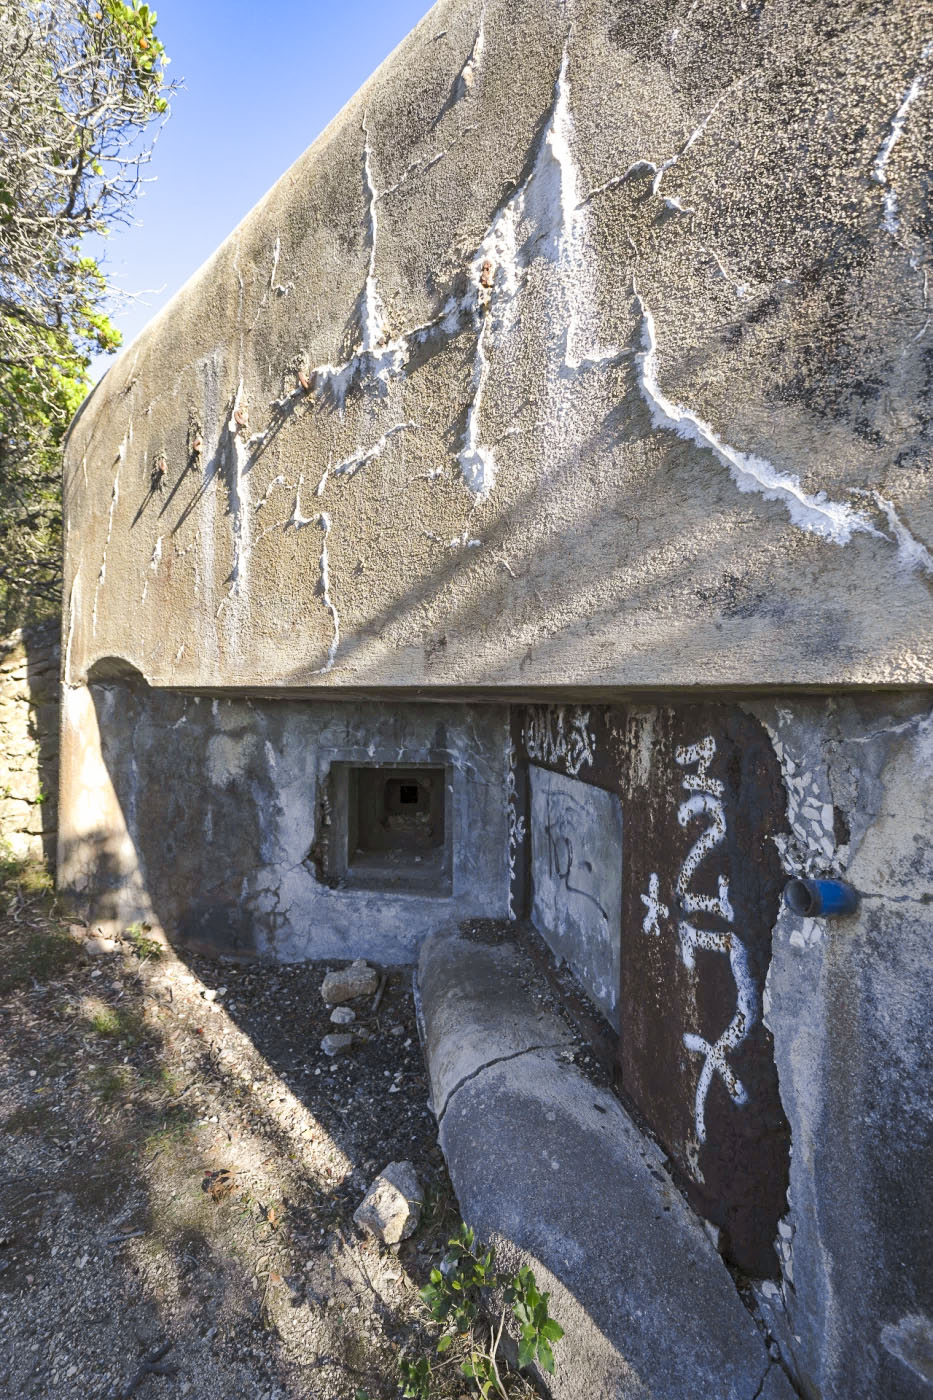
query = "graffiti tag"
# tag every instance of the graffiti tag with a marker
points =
(705, 801)
(559, 734)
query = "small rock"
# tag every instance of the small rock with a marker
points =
(357, 980)
(97, 945)
(209, 994)
(342, 1015)
(391, 1208)
(335, 1044)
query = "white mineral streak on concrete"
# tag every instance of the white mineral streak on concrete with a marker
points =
(154, 563)
(114, 498)
(422, 164)
(239, 499)
(891, 220)
(674, 206)
(575, 289)
(833, 520)
(276, 481)
(548, 201)
(73, 595)
(470, 70)
(658, 172)
(363, 455)
(373, 324)
(912, 554)
(298, 521)
(280, 289)
(377, 357)
(325, 523)
(478, 463)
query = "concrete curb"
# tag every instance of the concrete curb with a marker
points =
(552, 1170)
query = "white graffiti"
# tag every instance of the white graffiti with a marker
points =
(516, 825)
(705, 799)
(656, 910)
(560, 734)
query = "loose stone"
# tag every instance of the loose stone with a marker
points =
(391, 1208)
(357, 980)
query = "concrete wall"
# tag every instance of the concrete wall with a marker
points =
(850, 1005)
(817, 1172)
(613, 321)
(29, 675)
(208, 817)
(576, 880)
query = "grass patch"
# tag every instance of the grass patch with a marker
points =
(33, 946)
(30, 876)
(125, 1025)
(175, 1130)
(105, 1021)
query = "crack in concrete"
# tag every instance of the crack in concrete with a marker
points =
(488, 1064)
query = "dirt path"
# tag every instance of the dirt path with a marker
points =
(179, 1166)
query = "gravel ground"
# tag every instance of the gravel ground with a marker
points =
(179, 1166)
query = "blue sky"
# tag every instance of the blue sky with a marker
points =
(261, 81)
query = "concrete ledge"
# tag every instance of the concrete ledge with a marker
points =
(554, 1172)
(479, 1007)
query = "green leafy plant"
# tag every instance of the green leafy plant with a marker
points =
(539, 1331)
(454, 1298)
(454, 1289)
(143, 947)
(415, 1378)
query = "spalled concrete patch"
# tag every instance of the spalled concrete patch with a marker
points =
(551, 1168)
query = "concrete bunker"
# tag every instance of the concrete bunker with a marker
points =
(518, 577)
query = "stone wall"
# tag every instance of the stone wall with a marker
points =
(29, 667)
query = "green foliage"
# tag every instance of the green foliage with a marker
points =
(415, 1378)
(453, 1292)
(85, 78)
(539, 1331)
(143, 947)
(454, 1298)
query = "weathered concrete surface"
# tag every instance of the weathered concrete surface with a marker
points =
(703, 802)
(29, 672)
(576, 880)
(551, 1168)
(207, 818)
(613, 324)
(478, 1006)
(850, 1004)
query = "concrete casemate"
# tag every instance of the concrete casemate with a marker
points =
(526, 513)
(587, 346)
